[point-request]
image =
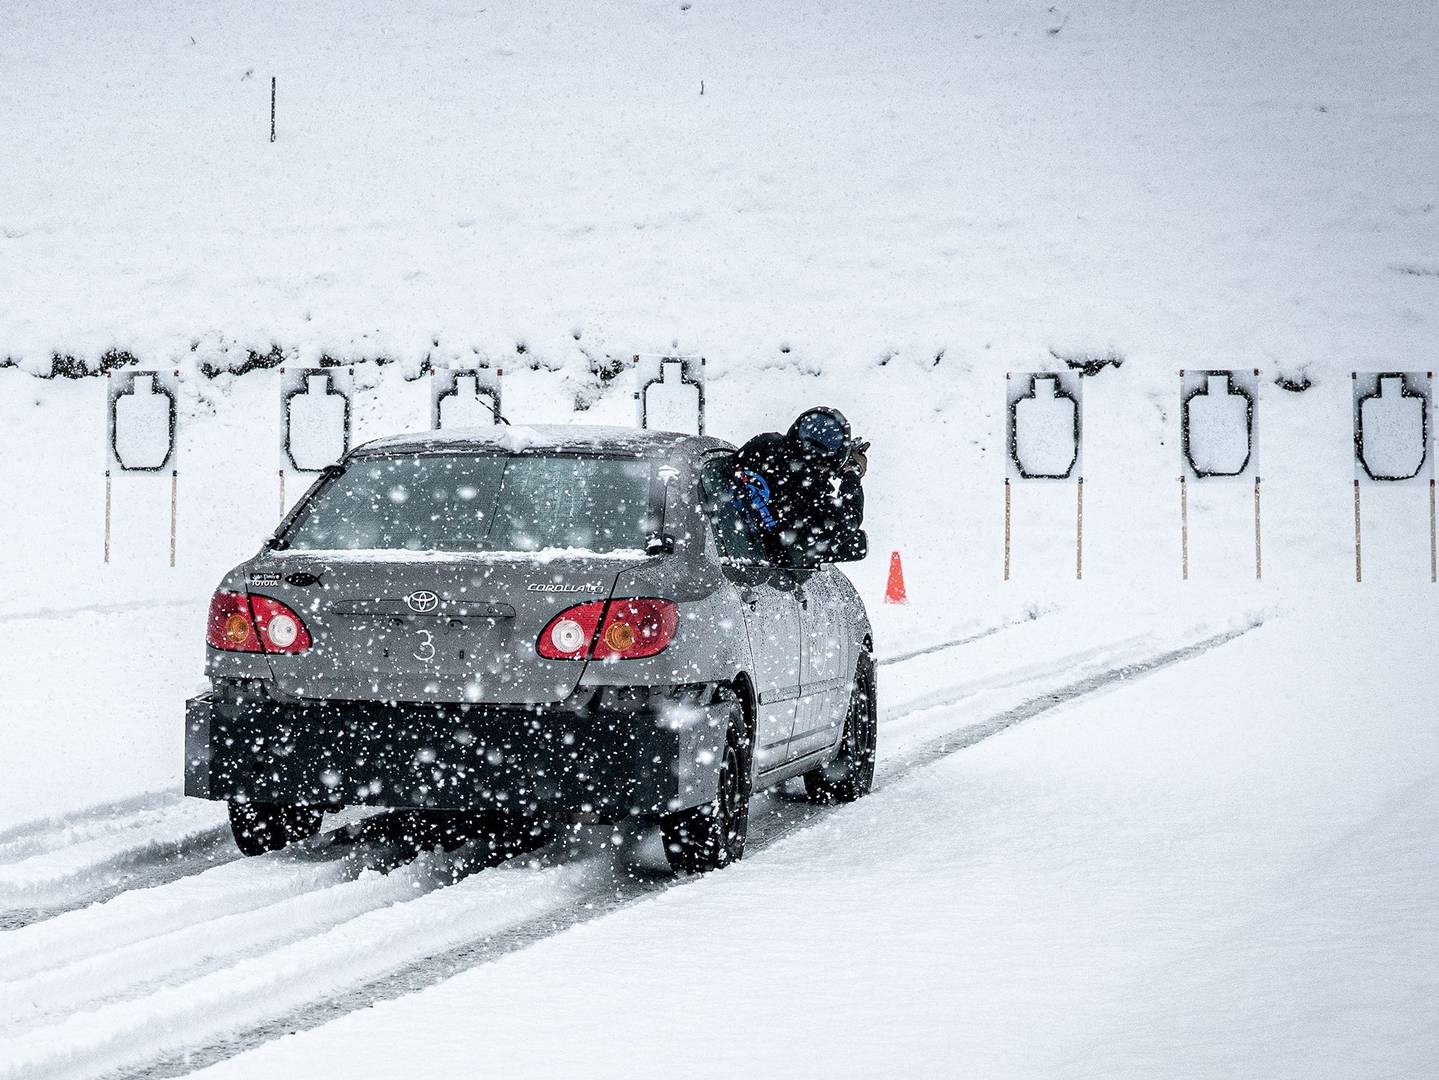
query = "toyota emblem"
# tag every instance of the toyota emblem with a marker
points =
(422, 601)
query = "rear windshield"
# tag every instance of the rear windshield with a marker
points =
(475, 502)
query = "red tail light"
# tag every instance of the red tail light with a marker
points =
(631, 629)
(569, 635)
(231, 626)
(637, 628)
(281, 630)
(242, 623)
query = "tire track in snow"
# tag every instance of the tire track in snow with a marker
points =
(51, 987)
(98, 1041)
(979, 635)
(161, 898)
(86, 823)
(147, 848)
(1100, 657)
(132, 861)
(948, 743)
(596, 893)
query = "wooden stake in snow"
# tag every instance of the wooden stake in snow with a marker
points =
(1258, 557)
(1183, 529)
(1433, 546)
(272, 108)
(1358, 559)
(174, 499)
(1006, 528)
(108, 380)
(1079, 530)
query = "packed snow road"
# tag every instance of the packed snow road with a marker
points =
(186, 954)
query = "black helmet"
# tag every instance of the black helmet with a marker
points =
(823, 427)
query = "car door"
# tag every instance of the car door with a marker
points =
(824, 690)
(770, 606)
(771, 615)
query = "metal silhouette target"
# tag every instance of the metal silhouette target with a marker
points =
(142, 417)
(465, 397)
(1219, 424)
(315, 416)
(1044, 425)
(1393, 425)
(670, 393)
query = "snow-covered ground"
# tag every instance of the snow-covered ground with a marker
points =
(200, 945)
(1202, 851)
(1206, 864)
(1226, 868)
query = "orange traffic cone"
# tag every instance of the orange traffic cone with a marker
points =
(894, 589)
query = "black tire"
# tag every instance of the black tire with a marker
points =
(260, 826)
(712, 836)
(850, 773)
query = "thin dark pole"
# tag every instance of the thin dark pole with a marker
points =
(272, 108)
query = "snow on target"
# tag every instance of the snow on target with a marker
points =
(1392, 426)
(315, 410)
(465, 398)
(141, 420)
(1045, 417)
(670, 393)
(1219, 423)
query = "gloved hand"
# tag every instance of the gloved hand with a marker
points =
(859, 458)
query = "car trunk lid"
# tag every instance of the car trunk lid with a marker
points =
(397, 626)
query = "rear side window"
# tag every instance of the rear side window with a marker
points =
(732, 536)
(476, 502)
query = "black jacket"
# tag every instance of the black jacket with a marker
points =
(799, 500)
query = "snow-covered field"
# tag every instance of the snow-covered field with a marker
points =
(1182, 877)
(1109, 838)
(1181, 853)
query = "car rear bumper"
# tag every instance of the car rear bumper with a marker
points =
(612, 754)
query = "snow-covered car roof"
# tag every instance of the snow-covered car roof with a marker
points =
(541, 437)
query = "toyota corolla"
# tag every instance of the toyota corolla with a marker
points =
(559, 622)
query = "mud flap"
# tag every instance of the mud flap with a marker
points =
(198, 712)
(699, 733)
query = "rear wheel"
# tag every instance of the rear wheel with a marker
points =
(712, 836)
(260, 826)
(850, 773)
